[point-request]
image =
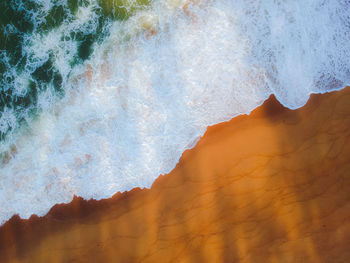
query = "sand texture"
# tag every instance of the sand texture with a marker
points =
(273, 186)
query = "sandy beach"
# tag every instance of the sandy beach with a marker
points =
(272, 186)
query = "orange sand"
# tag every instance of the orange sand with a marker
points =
(273, 186)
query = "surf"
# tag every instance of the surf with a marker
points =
(108, 95)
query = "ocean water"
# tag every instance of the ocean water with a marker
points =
(100, 96)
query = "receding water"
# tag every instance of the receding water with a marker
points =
(100, 96)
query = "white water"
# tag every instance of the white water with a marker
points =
(150, 97)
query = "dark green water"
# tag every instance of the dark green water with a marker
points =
(24, 71)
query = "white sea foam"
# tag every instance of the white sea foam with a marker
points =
(143, 98)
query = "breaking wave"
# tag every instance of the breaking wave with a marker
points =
(100, 96)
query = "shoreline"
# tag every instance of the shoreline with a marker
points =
(221, 201)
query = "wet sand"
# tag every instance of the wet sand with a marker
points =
(273, 186)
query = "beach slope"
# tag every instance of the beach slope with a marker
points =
(272, 186)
